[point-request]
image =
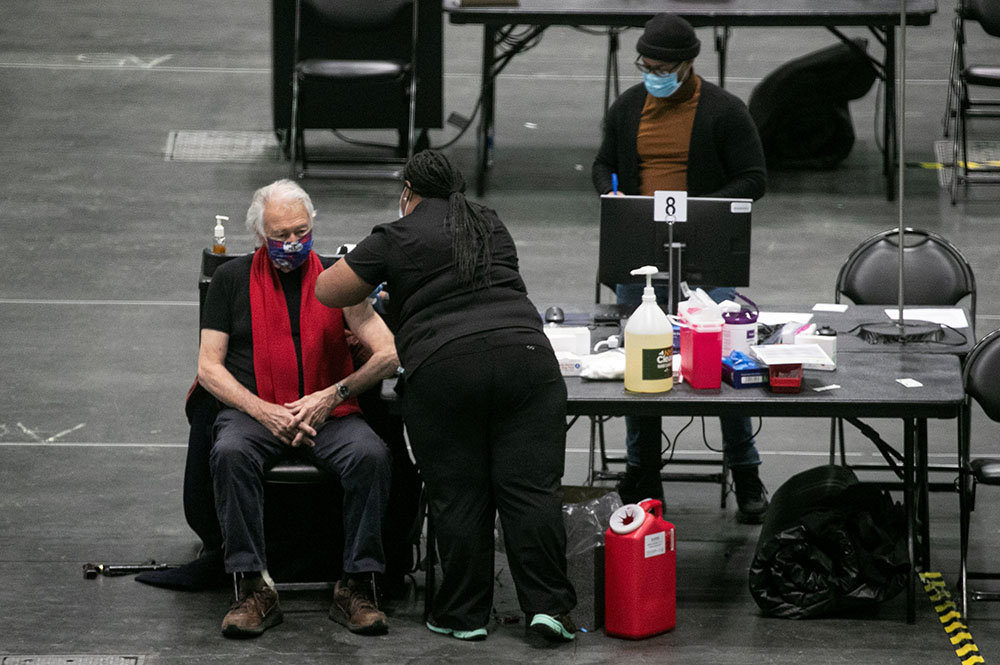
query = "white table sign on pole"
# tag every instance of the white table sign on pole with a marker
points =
(670, 206)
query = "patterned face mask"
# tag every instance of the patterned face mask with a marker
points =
(290, 255)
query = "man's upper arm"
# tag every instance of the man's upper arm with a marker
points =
(217, 310)
(340, 286)
(744, 156)
(369, 327)
(606, 159)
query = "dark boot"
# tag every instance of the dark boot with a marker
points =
(255, 610)
(638, 484)
(355, 605)
(751, 495)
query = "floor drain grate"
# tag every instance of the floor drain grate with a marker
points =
(72, 660)
(221, 146)
(983, 156)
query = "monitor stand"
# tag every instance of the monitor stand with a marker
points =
(675, 250)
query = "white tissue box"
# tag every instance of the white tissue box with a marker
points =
(569, 339)
(570, 364)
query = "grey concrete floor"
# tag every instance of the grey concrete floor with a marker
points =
(98, 312)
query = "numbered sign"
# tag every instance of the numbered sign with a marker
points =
(670, 206)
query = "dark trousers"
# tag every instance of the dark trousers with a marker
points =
(346, 447)
(738, 445)
(487, 424)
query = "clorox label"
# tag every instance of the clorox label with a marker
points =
(656, 544)
(656, 364)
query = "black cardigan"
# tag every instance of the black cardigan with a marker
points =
(725, 155)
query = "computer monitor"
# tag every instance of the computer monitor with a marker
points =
(715, 241)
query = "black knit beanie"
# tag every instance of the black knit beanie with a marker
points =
(668, 38)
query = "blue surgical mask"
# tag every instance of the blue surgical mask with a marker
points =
(661, 86)
(290, 255)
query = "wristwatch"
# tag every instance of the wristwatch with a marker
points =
(343, 391)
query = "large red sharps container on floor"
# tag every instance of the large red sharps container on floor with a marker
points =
(640, 562)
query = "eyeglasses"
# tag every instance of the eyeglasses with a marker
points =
(658, 70)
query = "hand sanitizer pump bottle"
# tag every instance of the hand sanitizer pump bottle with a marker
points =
(649, 343)
(219, 241)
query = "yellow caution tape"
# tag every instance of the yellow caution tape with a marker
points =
(951, 619)
(972, 166)
(967, 649)
(957, 625)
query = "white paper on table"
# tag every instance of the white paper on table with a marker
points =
(810, 356)
(778, 318)
(953, 317)
(830, 307)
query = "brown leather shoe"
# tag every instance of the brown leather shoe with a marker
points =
(354, 606)
(254, 611)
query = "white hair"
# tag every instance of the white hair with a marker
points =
(287, 192)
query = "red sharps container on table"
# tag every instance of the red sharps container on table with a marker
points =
(640, 562)
(701, 324)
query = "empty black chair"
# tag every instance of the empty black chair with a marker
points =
(982, 385)
(378, 90)
(956, 65)
(934, 273)
(961, 105)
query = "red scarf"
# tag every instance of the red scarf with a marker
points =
(326, 358)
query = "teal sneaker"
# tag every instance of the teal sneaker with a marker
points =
(477, 635)
(558, 628)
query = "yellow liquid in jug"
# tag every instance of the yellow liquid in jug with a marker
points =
(648, 363)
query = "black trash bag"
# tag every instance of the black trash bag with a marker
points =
(801, 111)
(829, 544)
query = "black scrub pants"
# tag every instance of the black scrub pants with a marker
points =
(487, 424)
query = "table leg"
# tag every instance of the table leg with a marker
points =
(923, 506)
(484, 138)
(611, 82)
(963, 502)
(721, 34)
(911, 518)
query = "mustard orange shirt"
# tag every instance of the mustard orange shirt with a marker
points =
(665, 137)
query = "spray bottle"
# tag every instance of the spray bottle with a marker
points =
(219, 243)
(649, 343)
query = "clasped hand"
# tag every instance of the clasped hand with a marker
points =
(295, 423)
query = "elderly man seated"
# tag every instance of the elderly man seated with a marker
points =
(279, 363)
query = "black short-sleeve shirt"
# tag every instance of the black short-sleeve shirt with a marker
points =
(428, 305)
(227, 309)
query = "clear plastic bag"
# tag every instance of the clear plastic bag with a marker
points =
(587, 520)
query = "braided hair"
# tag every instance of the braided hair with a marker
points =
(431, 175)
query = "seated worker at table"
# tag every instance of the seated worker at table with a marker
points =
(279, 363)
(676, 131)
(483, 398)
